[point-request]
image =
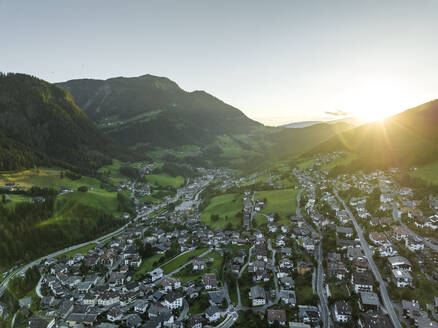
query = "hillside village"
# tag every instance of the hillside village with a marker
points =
(338, 260)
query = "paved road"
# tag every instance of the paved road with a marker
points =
(239, 303)
(396, 214)
(321, 291)
(386, 300)
(185, 310)
(229, 321)
(320, 272)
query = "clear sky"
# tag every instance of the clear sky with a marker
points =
(277, 61)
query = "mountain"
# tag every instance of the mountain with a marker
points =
(286, 142)
(298, 125)
(406, 139)
(149, 111)
(41, 122)
(349, 120)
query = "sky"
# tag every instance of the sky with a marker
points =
(277, 61)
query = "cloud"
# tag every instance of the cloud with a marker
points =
(337, 113)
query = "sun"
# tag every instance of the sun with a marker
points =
(373, 99)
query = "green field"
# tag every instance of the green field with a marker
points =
(99, 199)
(83, 250)
(227, 207)
(178, 261)
(305, 164)
(260, 219)
(343, 160)
(428, 173)
(282, 202)
(46, 177)
(146, 266)
(12, 199)
(165, 180)
(214, 267)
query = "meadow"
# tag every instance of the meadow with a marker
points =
(428, 173)
(282, 201)
(226, 206)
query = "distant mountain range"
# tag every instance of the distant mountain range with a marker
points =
(43, 124)
(349, 120)
(406, 139)
(150, 111)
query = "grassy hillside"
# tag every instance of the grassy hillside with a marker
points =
(45, 118)
(287, 142)
(154, 111)
(406, 139)
(428, 173)
(165, 180)
(227, 207)
(46, 178)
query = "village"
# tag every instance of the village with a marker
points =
(340, 260)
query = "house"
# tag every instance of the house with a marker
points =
(286, 263)
(172, 300)
(342, 311)
(277, 315)
(387, 250)
(399, 233)
(288, 282)
(257, 295)
(288, 297)
(217, 297)
(344, 232)
(209, 280)
(261, 253)
(156, 274)
(304, 267)
(170, 284)
(399, 263)
(199, 264)
(308, 244)
(140, 306)
(354, 253)
(133, 321)
(337, 270)
(308, 314)
(35, 322)
(212, 314)
(373, 320)
(368, 301)
(114, 315)
(410, 308)
(362, 281)
(196, 321)
(379, 238)
(402, 278)
(298, 325)
(414, 243)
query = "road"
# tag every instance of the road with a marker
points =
(396, 214)
(185, 310)
(320, 272)
(229, 321)
(383, 291)
(326, 320)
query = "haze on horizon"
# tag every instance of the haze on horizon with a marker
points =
(278, 63)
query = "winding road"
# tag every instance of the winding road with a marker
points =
(383, 291)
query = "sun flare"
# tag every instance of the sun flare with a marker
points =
(373, 99)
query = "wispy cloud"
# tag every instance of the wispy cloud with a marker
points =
(337, 113)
